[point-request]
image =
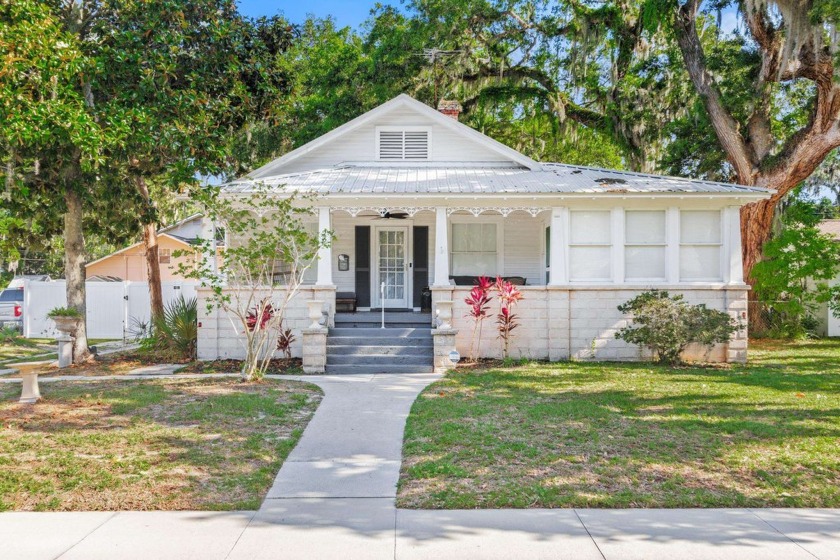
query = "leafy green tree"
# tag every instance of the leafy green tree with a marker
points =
(793, 278)
(261, 270)
(173, 82)
(52, 145)
(774, 104)
(159, 85)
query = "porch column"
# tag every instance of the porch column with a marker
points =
(324, 253)
(441, 248)
(734, 272)
(557, 253)
(672, 249)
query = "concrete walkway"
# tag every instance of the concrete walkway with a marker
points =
(334, 498)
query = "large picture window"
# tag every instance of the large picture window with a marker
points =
(474, 249)
(590, 246)
(700, 245)
(644, 245)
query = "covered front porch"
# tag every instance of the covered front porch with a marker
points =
(393, 257)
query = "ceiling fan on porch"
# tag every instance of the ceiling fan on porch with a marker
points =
(388, 215)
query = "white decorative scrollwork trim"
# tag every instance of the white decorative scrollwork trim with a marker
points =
(413, 210)
(504, 211)
(382, 210)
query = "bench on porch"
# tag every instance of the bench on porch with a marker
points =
(473, 280)
(345, 301)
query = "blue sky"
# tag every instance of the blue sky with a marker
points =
(355, 12)
(345, 12)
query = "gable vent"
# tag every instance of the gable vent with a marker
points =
(400, 145)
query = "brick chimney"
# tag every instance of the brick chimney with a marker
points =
(450, 108)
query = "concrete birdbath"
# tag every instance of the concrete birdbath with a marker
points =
(30, 392)
(66, 322)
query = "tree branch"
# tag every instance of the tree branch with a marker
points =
(725, 126)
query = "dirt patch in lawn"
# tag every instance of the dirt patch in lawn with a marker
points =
(117, 363)
(148, 445)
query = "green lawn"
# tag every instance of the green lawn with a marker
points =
(18, 349)
(142, 445)
(631, 435)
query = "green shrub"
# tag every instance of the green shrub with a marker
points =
(793, 278)
(177, 330)
(63, 312)
(12, 336)
(666, 324)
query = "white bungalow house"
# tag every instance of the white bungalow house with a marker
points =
(422, 203)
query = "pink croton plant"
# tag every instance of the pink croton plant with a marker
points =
(479, 308)
(506, 320)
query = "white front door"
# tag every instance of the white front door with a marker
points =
(391, 267)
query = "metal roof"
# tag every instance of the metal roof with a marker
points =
(472, 178)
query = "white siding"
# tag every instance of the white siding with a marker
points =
(360, 145)
(344, 244)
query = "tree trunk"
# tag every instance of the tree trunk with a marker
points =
(756, 228)
(150, 244)
(153, 268)
(74, 270)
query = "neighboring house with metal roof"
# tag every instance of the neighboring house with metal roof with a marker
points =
(130, 263)
(829, 322)
(420, 203)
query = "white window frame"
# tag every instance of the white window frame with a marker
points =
(473, 220)
(570, 245)
(719, 245)
(662, 245)
(426, 129)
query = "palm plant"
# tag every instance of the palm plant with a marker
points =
(177, 329)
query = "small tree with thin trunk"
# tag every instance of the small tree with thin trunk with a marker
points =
(261, 269)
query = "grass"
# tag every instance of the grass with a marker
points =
(631, 435)
(206, 444)
(17, 349)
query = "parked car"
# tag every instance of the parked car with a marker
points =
(11, 308)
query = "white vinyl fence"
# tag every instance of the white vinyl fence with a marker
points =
(114, 309)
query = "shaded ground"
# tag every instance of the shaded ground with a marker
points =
(18, 348)
(117, 363)
(631, 435)
(148, 445)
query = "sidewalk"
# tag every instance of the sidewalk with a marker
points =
(334, 498)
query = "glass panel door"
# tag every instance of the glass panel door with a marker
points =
(391, 267)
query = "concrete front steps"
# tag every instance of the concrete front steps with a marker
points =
(358, 344)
